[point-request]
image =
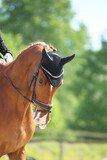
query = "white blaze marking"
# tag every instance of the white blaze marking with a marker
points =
(51, 87)
(38, 114)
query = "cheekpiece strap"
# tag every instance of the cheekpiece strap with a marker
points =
(34, 78)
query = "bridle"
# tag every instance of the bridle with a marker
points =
(33, 100)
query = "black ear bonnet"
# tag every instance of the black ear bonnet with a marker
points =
(52, 66)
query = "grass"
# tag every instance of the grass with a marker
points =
(51, 151)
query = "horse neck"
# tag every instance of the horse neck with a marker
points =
(17, 72)
(21, 70)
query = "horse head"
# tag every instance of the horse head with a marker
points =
(46, 80)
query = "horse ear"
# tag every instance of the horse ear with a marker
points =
(67, 59)
(46, 58)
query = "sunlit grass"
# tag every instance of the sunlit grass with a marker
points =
(43, 150)
(50, 150)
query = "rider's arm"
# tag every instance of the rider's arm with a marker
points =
(4, 50)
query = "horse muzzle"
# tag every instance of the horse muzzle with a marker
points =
(40, 121)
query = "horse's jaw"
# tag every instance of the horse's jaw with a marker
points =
(39, 121)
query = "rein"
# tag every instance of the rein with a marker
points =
(33, 99)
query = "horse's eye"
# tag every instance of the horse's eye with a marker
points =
(41, 81)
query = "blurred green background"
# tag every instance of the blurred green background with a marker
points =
(80, 104)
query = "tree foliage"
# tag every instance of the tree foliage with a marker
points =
(45, 20)
(90, 90)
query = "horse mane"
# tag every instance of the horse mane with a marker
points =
(43, 44)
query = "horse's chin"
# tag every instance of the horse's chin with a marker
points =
(39, 121)
(42, 126)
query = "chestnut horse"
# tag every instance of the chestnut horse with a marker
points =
(18, 83)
